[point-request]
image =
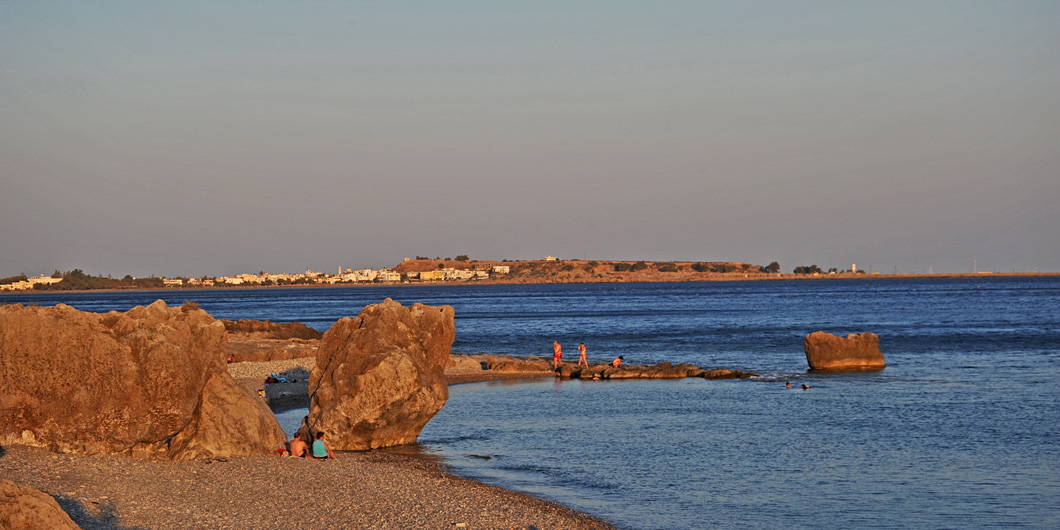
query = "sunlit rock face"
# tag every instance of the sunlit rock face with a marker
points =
(858, 351)
(26, 507)
(380, 377)
(149, 382)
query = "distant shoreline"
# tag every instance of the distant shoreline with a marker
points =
(653, 278)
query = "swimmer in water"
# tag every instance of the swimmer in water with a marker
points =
(788, 385)
(805, 386)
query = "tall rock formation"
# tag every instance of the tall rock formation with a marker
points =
(380, 377)
(148, 382)
(858, 351)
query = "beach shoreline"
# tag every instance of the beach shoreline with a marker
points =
(371, 489)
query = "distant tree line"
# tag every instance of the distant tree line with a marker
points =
(630, 267)
(77, 280)
(13, 279)
(803, 269)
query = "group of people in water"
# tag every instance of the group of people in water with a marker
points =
(557, 356)
(319, 450)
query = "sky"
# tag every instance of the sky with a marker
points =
(213, 138)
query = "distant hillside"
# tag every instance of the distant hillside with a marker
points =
(586, 271)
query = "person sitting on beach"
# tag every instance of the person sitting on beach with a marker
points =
(557, 355)
(299, 449)
(617, 362)
(321, 450)
(581, 359)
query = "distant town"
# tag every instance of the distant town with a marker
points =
(463, 269)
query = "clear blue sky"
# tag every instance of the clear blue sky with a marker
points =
(209, 138)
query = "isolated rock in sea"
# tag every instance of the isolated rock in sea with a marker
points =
(380, 377)
(24, 507)
(858, 351)
(148, 382)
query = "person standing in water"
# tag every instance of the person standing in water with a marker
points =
(557, 355)
(581, 359)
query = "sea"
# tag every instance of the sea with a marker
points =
(961, 430)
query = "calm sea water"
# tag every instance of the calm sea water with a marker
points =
(962, 430)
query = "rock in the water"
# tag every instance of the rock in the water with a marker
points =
(517, 365)
(148, 382)
(464, 363)
(858, 351)
(380, 377)
(27, 508)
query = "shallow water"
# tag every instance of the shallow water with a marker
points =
(961, 430)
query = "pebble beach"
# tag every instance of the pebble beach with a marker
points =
(376, 489)
(356, 490)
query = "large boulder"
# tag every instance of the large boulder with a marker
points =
(27, 508)
(380, 377)
(858, 351)
(148, 382)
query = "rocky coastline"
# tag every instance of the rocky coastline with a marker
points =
(364, 489)
(216, 466)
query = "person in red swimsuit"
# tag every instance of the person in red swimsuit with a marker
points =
(557, 355)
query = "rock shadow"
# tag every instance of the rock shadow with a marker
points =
(105, 519)
(291, 395)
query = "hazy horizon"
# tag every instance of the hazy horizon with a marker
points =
(203, 139)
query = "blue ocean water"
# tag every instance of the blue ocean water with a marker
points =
(961, 430)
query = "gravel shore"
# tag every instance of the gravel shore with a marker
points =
(357, 490)
(376, 489)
